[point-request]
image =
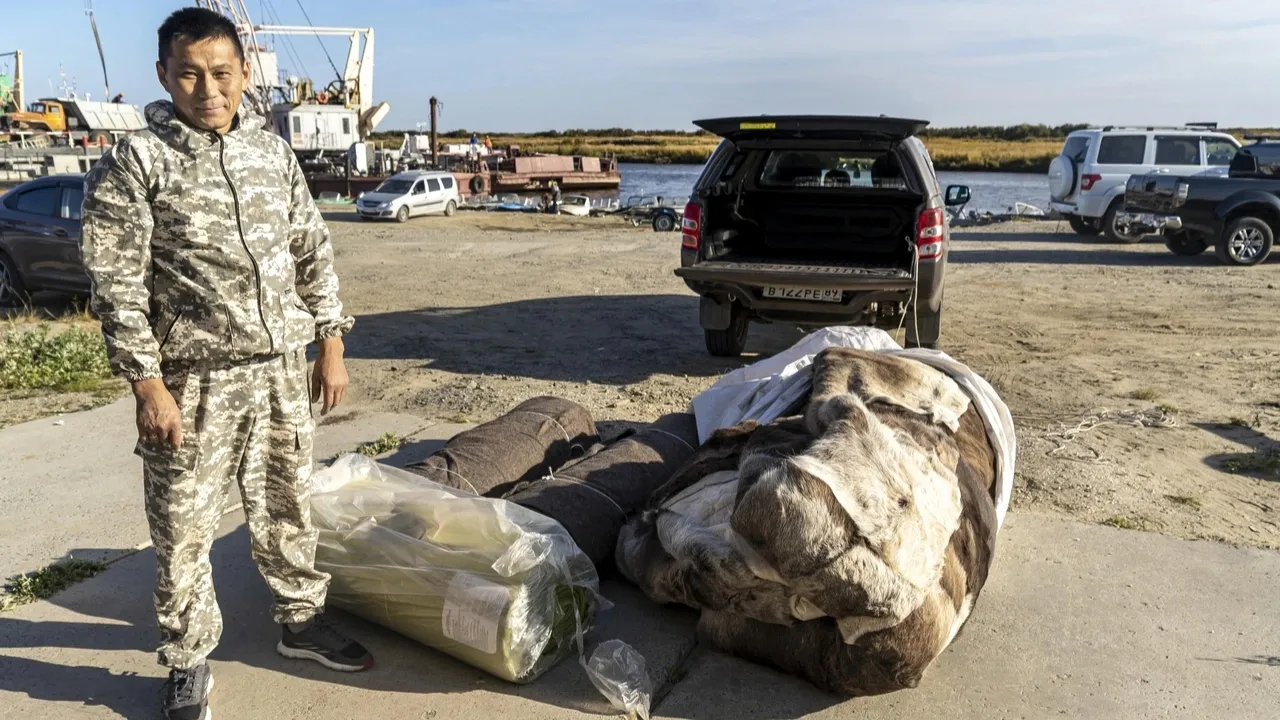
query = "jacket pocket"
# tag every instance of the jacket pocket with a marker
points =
(168, 331)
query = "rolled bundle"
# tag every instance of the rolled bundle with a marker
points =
(593, 497)
(491, 583)
(536, 437)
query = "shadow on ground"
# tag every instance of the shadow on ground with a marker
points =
(49, 306)
(117, 617)
(1116, 258)
(619, 339)
(1264, 460)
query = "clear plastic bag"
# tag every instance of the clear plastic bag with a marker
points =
(618, 672)
(491, 583)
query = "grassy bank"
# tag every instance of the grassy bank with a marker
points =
(52, 365)
(1017, 148)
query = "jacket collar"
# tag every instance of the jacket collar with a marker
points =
(164, 122)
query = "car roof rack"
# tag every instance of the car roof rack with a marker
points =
(1187, 126)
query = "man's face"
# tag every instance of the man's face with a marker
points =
(206, 81)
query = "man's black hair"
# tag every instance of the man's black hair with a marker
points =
(195, 24)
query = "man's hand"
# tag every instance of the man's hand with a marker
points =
(159, 421)
(329, 380)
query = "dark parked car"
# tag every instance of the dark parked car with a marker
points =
(40, 238)
(815, 221)
(1238, 215)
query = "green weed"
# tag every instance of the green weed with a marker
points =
(47, 581)
(36, 358)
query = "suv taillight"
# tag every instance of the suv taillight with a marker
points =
(929, 234)
(691, 227)
(1087, 180)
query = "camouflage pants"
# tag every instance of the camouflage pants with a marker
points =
(251, 424)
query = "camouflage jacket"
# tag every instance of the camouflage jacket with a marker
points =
(205, 248)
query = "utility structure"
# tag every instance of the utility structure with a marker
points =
(11, 97)
(328, 120)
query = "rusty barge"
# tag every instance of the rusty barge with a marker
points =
(493, 175)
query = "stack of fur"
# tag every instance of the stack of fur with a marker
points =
(846, 544)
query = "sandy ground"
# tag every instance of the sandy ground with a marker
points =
(1136, 377)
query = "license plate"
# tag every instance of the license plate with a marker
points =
(793, 293)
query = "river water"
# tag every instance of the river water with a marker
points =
(993, 192)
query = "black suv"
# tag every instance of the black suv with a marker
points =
(816, 221)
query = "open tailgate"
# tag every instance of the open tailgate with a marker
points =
(812, 127)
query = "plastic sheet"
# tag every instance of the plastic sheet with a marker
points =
(618, 672)
(491, 583)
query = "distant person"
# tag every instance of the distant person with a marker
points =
(119, 98)
(555, 198)
(488, 143)
(209, 292)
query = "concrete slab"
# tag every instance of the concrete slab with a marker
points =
(72, 485)
(1077, 621)
(89, 653)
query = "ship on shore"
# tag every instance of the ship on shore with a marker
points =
(479, 168)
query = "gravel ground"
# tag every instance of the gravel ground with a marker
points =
(1141, 381)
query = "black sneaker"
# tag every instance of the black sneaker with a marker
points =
(321, 642)
(186, 694)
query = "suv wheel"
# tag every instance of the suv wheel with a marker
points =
(1185, 244)
(12, 290)
(1082, 226)
(1247, 241)
(731, 341)
(1109, 225)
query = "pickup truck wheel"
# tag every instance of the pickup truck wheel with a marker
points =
(1185, 244)
(1247, 241)
(664, 223)
(731, 341)
(12, 290)
(1082, 226)
(1109, 225)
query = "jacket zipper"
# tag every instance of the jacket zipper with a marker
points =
(257, 273)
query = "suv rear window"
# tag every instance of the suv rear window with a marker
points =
(1076, 147)
(831, 169)
(1122, 150)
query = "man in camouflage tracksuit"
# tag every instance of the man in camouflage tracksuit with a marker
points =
(212, 272)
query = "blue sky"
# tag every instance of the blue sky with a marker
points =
(538, 64)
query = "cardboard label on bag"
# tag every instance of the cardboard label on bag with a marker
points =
(473, 610)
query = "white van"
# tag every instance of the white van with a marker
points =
(406, 194)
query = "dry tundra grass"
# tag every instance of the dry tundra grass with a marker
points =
(949, 153)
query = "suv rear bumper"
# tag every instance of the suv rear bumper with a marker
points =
(743, 283)
(1087, 206)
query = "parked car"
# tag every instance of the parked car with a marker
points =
(1087, 180)
(40, 238)
(1238, 215)
(411, 193)
(815, 221)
